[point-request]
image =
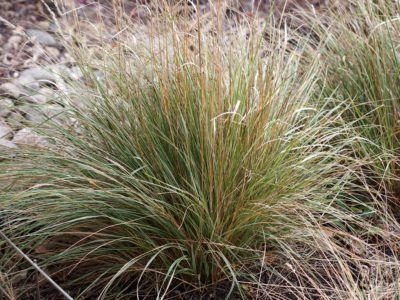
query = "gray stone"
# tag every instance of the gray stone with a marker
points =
(44, 25)
(7, 144)
(42, 113)
(53, 111)
(5, 130)
(28, 82)
(46, 91)
(61, 71)
(37, 99)
(39, 73)
(53, 52)
(11, 89)
(33, 114)
(28, 137)
(6, 106)
(42, 37)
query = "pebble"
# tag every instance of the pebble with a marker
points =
(61, 70)
(43, 96)
(37, 99)
(52, 110)
(52, 52)
(11, 89)
(39, 73)
(46, 91)
(7, 144)
(33, 114)
(26, 136)
(6, 105)
(31, 101)
(42, 37)
(44, 25)
(43, 113)
(5, 130)
(28, 82)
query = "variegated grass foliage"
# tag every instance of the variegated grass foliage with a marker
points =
(206, 158)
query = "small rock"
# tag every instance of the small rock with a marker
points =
(52, 52)
(48, 92)
(7, 144)
(43, 25)
(28, 82)
(42, 37)
(26, 136)
(5, 130)
(53, 110)
(39, 73)
(43, 96)
(33, 114)
(61, 70)
(6, 105)
(37, 99)
(43, 113)
(11, 89)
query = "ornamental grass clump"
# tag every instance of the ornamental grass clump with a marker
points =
(193, 156)
(361, 63)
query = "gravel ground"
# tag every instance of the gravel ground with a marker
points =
(34, 63)
(33, 66)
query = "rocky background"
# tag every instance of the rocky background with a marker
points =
(33, 67)
(34, 63)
